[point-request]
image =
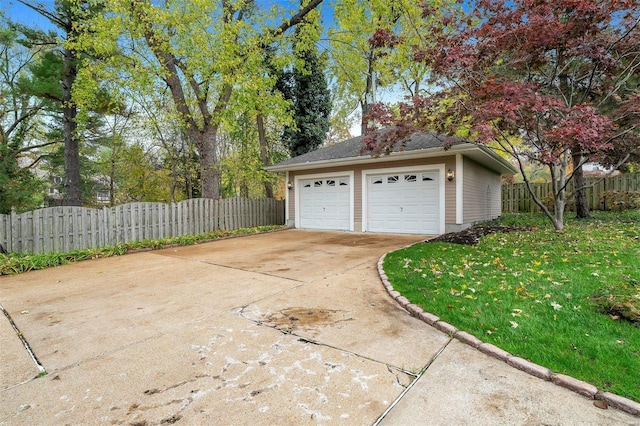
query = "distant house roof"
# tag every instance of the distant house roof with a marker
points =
(419, 145)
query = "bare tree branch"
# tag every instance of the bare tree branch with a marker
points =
(293, 21)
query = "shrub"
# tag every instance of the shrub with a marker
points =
(620, 200)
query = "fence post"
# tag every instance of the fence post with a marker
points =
(5, 232)
(13, 227)
(217, 214)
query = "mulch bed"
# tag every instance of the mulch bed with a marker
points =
(471, 236)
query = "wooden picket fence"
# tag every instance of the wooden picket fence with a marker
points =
(517, 199)
(63, 229)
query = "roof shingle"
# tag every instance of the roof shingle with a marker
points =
(353, 148)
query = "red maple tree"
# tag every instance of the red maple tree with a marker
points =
(549, 81)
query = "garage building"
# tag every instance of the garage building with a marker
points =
(420, 188)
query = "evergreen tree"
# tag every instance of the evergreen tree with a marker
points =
(306, 86)
(61, 92)
(76, 102)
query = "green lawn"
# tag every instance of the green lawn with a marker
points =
(557, 299)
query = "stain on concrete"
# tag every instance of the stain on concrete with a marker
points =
(351, 240)
(292, 319)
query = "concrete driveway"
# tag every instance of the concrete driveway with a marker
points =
(291, 327)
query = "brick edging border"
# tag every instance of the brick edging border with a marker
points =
(578, 386)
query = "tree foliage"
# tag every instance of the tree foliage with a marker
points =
(20, 188)
(207, 53)
(372, 50)
(541, 80)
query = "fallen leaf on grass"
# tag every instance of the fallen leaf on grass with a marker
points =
(556, 306)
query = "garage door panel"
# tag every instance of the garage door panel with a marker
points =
(404, 202)
(413, 209)
(429, 207)
(385, 226)
(325, 203)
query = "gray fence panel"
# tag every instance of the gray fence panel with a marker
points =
(63, 229)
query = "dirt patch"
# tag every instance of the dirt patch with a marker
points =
(471, 236)
(292, 318)
(352, 239)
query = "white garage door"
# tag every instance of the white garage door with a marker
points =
(325, 203)
(404, 203)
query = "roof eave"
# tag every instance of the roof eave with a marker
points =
(495, 161)
(362, 159)
(483, 155)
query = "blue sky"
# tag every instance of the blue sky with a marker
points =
(18, 12)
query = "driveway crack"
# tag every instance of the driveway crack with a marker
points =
(307, 340)
(26, 345)
(415, 380)
(205, 262)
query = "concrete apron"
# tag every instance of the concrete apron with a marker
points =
(286, 328)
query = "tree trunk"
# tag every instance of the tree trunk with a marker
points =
(264, 153)
(72, 182)
(582, 207)
(558, 183)
(174, 183)
(369, 96)
(558, 218)
(112, 175)
(184, 158)
(206, 142)
(188, 185)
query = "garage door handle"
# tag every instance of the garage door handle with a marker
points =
(401, 209)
